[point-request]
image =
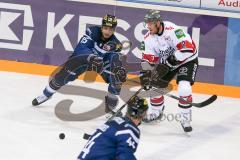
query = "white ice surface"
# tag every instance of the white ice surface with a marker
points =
(31, 133)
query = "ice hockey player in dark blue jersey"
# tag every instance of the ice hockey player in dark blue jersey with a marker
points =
(117, 139)
(98, 50)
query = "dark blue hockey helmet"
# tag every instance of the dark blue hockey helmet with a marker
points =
(109, 21)
(137, 107)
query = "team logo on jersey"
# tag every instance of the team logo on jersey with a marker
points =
(167, 52)
(179, 33)
(183, 71)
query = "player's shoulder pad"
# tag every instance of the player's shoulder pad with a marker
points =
(118, 120)
(169, 26)
(103, 127)
(174, 30)
(116, 123)
(94, 32)
(124, 125)
(134, 128)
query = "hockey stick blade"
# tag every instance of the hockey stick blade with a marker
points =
(198, 105)
(206, 102)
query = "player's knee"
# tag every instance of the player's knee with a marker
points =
(184, 88)
(70, 71)
(157, 101)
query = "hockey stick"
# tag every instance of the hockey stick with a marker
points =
(87, 136)
(123, 106)
(164, 71)
(198, 105)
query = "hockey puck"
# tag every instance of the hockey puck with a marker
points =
(61, 136)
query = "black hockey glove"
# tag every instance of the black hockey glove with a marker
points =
(120, 74)
(172, 62)
(157, 75)
(96, 62)
(145, 79)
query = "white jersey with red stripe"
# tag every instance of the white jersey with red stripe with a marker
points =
(173, 41)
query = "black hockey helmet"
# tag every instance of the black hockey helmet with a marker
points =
(109, 20)
(153, 16)
(137, 107)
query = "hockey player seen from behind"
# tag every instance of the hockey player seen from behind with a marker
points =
(168, 44)
(118, 138)
(99, 51)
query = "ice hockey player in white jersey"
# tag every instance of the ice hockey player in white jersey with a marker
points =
(117, 139)
(167, 43)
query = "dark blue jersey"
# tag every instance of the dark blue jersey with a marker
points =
(115, 140)
(92, 40)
